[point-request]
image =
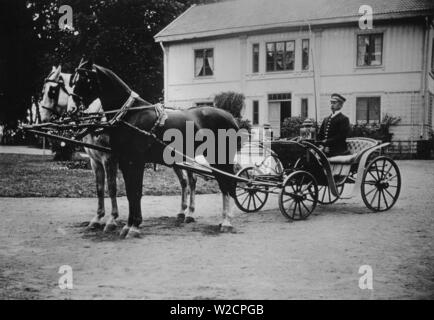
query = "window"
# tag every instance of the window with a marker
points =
(370, 50)
(255, 112)
(203, 62)
(204, 104)
(279, 96)
(255, 49)
(368, 110)
(280, 56)
(305, 54)
(303, 109)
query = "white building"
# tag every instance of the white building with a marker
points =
(265, 50)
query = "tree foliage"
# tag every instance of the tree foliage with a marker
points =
(117, 34)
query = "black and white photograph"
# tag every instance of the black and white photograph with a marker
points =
(235, 151)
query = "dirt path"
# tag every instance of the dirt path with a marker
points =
(267, 258)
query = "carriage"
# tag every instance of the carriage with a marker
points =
(303, 177)
(300, 173)
(297, 171)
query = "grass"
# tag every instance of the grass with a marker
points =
(39, 176)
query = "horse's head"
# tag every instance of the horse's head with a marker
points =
(55, 93)
(85, 88)
(90, 82)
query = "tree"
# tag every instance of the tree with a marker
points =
(117, 34)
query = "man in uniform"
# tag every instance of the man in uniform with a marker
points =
(334, 129)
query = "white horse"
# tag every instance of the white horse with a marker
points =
(55, 96)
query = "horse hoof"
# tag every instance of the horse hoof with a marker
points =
(133, 233)
(125, 230)
(226, 229)
(180, 217)
(110, 227)
(94, 226)
(189, 220)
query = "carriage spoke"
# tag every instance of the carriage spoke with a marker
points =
(376, 170)
(245, 199)
(294, 209)
(384, 197)
(389, 193)
(259, 199)
(305, 206)
(373, 189)
(240, 194)
(375, 179)
(307, 187)
(373, 198)
(379, 199)
(254, 202)
(248, 203)
(301, 183)
(323, 195)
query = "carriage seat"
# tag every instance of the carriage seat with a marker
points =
(356, 148)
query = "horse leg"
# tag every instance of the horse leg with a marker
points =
(111, 168)
(132, 171)
(227, 186)
(226, 225)
(183, 181)
(192, 179)
(98, 169)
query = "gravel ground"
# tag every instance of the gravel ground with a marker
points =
(266, 258)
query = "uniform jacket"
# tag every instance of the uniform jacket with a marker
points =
(335, 131)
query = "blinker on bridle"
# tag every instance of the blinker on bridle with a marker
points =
(73, 81)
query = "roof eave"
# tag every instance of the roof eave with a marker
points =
(250, 29)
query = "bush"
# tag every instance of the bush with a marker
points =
(230, 101)
(233, 103)
(377, 131)
(291, 126)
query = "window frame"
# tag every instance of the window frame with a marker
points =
(370, 34)
(255, 113)
(255, 57)
(275, 58)
(305, 68)
(204, 50)
(307, 107)
(368, 120)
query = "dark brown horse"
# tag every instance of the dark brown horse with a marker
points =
(55, 96)
(133, 148)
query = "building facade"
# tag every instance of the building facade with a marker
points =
(290, 67)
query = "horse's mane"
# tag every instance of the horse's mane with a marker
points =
(114, 81)
(111, 76)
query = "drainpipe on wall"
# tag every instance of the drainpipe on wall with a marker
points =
(425, 63)
(165, 70)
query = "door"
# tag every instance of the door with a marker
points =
(274, 118)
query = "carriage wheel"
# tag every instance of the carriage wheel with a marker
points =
(325, 196)
(381, 184)
(299, 195)
(250, 198)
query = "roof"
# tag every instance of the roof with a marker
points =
(239, 16)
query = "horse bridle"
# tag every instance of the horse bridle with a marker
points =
(55, 96)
